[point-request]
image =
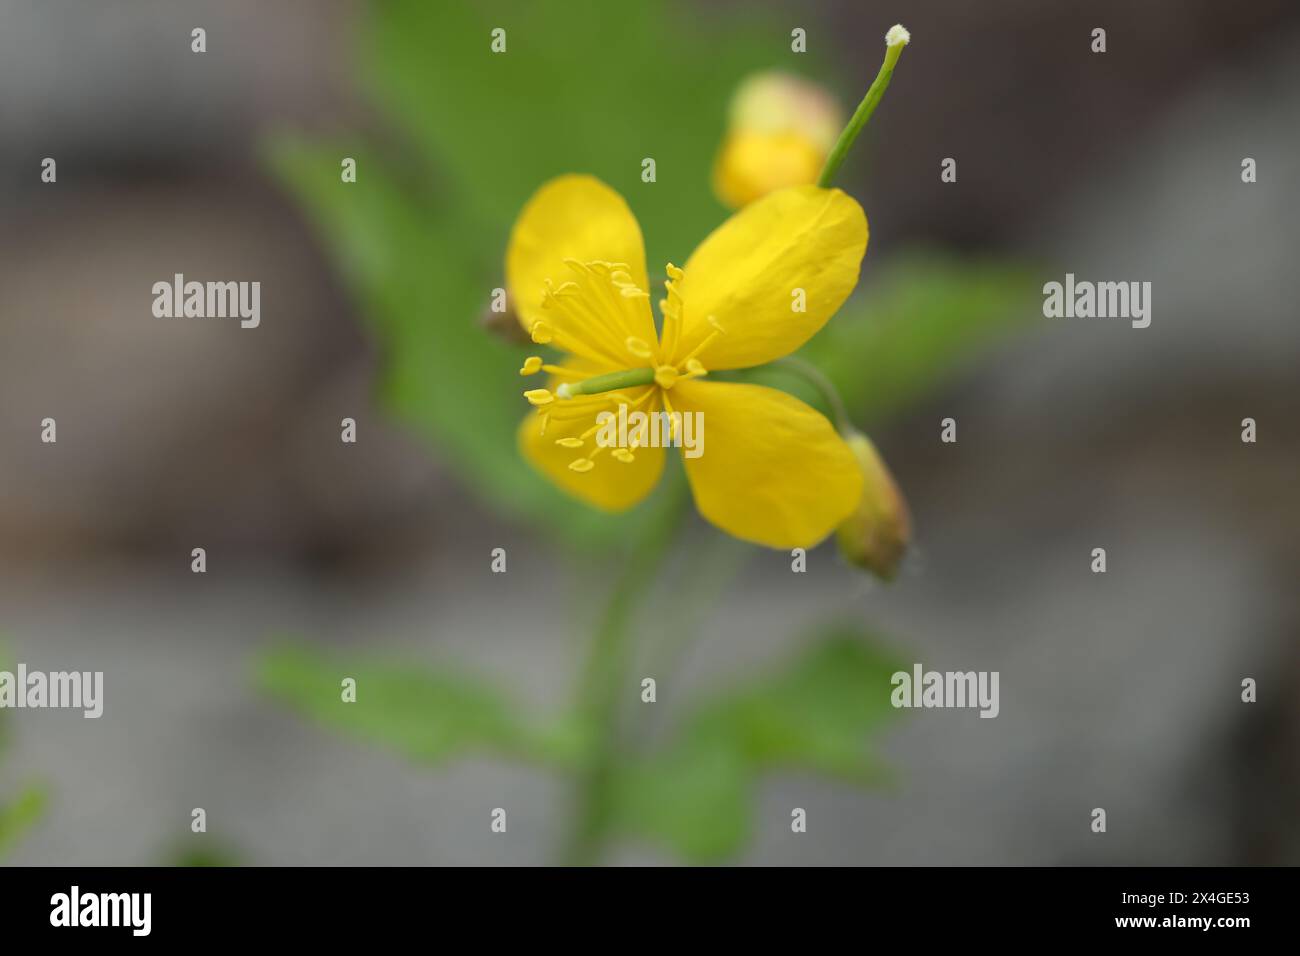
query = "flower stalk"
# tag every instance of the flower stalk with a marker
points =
(895, 40)
(603, 684)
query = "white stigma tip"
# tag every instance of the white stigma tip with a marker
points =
(563, 390)
(897, 36)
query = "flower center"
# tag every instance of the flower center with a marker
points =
(586, 312)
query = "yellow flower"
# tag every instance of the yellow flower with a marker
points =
(774, 471)
(781, 128)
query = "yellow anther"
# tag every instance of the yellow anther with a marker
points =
(532, 365)
(638, 347)
(717, 326)
(695, 367)
(541, 332)
(581, 465)
(666, 376)
(623, 455)
(674, 273)
(539, 396)
(569, 442)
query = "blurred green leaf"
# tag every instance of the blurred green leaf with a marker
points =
(19, 815)
(692, 797)
(24, 811)
(429, 716)
(583, 87)
(815, 713)
(205, 855)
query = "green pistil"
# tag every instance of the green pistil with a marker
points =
(609, 382)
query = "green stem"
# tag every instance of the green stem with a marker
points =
(602, 685)
(818, 380)
(893, 49)
(707, 569)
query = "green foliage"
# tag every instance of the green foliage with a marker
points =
(24, 811)
(20, 815)
(692, 798)
(421, 235)
(694, 793)
(428, 716)
(209, 854)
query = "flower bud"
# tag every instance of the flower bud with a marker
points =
(875, 536)
(780, 130)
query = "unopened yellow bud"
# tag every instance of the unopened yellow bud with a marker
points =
(781, 129)
(875, 536)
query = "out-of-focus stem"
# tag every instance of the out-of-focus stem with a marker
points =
(602, 686)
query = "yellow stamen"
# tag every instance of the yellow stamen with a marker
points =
(560, 371)
(671, 307)
(638, 347)
(673, 418)
(583, 406)
(666, 376)
(532, 365)
(708, 339)
(583, 308)
(581, 465)
(539, 396)
(577, 324)
(541, 333)
(623, 282)
(569, 442)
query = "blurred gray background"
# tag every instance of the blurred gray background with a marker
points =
(1118, 690)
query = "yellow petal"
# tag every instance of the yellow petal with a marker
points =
(610, 484)
(747, 272)
(577, 218)
(772, 470)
